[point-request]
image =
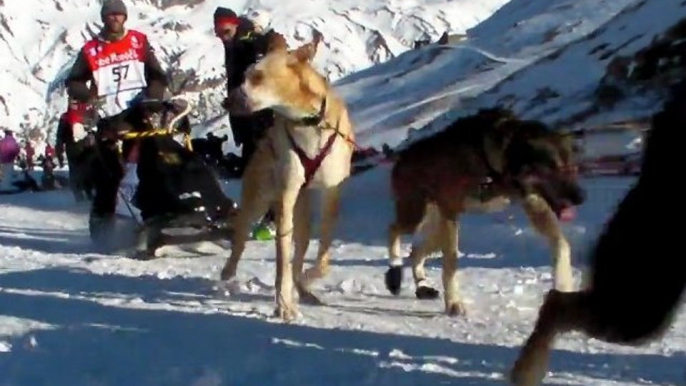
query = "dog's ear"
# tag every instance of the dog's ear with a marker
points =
(277, 42)
(304, 53)
(307, 52)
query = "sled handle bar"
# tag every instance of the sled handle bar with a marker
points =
(177, 117)
(183, 113)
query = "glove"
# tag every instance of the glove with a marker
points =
(78, 131)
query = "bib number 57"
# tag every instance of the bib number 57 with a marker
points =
(120, 73)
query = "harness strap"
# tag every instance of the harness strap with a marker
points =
(315, 119)
(311, 165)
(187, 141)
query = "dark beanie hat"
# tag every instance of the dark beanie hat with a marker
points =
(110, 7)
(222, 13)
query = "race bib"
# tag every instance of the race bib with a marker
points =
(119, 84)
(118, 69)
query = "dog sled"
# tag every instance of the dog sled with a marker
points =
(168, 194)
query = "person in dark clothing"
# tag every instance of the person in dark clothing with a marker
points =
(243, 47)
(75, 140)
(121, 67)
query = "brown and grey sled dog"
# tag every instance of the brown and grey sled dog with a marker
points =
(638, 255)
(480, 163)
(309, 147)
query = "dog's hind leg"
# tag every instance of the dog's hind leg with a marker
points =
(448, 236)
(330, 202)
(409, 212)
(426, 242)
(301, 238)
(545, 222)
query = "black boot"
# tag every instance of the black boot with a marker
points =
(100, 228)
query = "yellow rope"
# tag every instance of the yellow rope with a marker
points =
(144, 134)
(151, 133)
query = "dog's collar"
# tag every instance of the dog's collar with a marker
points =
(317, 118)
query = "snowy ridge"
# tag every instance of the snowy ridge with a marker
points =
(544, 60)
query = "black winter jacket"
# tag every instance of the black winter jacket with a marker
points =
(244, 50)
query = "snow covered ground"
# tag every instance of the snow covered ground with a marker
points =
(69, 316)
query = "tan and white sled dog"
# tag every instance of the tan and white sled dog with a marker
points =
(309, 147)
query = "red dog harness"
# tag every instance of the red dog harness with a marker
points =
(311, 165)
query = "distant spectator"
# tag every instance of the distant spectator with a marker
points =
(444, 39)
(30, 153)
(76, 141)
(9, 150)
(49, 152)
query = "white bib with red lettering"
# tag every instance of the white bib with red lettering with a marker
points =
(118, 70)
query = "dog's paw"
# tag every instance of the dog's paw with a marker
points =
(286, 313)
(394, 279)
(227, 273)
(530, 368)
(532, 364)
(317, 272)
(227, 288)
(426, 293)
(456, 309)
(306, 296)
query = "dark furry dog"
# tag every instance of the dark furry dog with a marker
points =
(480, 163)
(636, 256)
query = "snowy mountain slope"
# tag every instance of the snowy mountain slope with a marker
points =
(553, 91)
(39, 47)
(69, 316)
(546, 60)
